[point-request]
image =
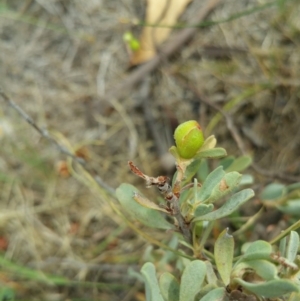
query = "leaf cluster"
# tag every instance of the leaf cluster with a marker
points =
(258, 272)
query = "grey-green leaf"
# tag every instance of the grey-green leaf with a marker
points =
(254, 256)
(217, 294)
(203, 209)
(211, 181)
(169, 287)
(223, 252)
(152, 288)
(191, 170)
(146, 216)
(210, 274)
(209, 143)
(230, 206)
(227, 184)
(272, 191)
(240, 164)
(191, 280)
(270, 289)
(282, 246)
(292, 187)
(203, 171)
(292, 247)
(291, 207)
(246, 180)
(256, 250)
(213, 153)
(226, 162)
(259, 246)
(263, 268)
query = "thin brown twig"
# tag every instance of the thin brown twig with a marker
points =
(45, 134)
(170, 196)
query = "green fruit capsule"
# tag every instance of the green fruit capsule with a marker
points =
(188, 138)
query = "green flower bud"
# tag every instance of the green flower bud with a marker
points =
(188, 138)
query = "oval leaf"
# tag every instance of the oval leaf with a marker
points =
(203, 209)
(148, 217)
(210, 183)
(291, 207)
(272, 191)
(282, 246)
(217, 294)
(246, 180)
(230, 206)
(191, 170)
(203, 171)
(240, 164)
(210, 274)
(263, 268)
(209, 143)
(228, 183)
(191, 280)
(213, 153)
(257, 250)
(224, 248)
(205, 290)
(152, 289)
(173, 151)
(270, 289)
(169, 287)
(226, 162)
(292, 187)
(292, 247)
(259, 246)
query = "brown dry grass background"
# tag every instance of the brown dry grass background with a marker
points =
(58, 60)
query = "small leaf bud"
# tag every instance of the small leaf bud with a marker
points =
(188, 138)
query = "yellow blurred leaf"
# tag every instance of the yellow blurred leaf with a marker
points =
(159, 12)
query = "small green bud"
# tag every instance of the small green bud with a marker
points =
(188, 138)
(131, 41)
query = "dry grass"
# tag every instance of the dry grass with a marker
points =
(57, 57)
